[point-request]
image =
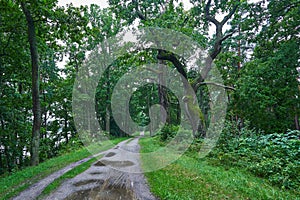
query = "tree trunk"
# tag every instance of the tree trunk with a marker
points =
(107, 120)
(44, 112)
(162, 93)
(149, 102)
(35, 143)
(148, 106)
(239, 51)
(107, 115)
(178, 113)
(297, 122)
(66, 125)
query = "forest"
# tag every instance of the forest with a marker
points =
(253, 45)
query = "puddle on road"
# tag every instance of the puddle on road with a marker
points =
(110, 154)
(85, 182)
(99, 164)
(109, 193)
(125, 163)
(96, 173)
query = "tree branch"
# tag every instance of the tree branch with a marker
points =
(227, 36)
(217, 84)
(227, 17)
(208, 16)
(217, 44)
(163, 55)
(138, 12)
(140, 15)
(3, 54)
(185, 21)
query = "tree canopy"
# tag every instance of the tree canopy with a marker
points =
(255, 47)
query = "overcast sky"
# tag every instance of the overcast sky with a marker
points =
(104, 3)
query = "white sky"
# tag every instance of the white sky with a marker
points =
(104, 3)
(101, 3)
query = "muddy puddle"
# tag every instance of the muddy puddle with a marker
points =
(109, 193)
(110, 154)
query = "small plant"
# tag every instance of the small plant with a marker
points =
(168, 131)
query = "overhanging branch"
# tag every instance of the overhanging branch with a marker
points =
(217, 84)
(163, 55)
(227, 17)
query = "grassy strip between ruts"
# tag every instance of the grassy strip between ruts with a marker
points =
(20, 180)
(70, 174)
(188, 178)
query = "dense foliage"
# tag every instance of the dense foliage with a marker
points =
(255, 46)
(272, 156)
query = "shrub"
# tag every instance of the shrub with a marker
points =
(275, 157)
(167, 132)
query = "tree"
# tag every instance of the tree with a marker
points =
(268, 91)
(38, 19)
(164, 14)
(35, 85)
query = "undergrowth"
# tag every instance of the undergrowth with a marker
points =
(190, 178)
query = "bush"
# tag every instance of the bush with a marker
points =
(47, 149)
(167, 132)
(275, 157)
(74, 144)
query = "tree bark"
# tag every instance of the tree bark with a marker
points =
(297, 122)
(35, 143)
(107, 110)
(66, 125)
(162, 93)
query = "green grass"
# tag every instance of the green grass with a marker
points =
(17, 182)
(188, 178)
(129, 140)
(70, 174)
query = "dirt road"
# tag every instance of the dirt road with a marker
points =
(117, 175)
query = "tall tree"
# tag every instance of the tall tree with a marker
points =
(35, 85)
(163, 14)
(268, 91)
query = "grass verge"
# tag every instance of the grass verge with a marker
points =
(188, 178)
(17, 182)
(70, 174)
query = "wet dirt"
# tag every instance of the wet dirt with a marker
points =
(96, 173)
(110, 193)
(125, 163)
(115, 176)
(110, 154)
(99, 164)
(85, 182)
